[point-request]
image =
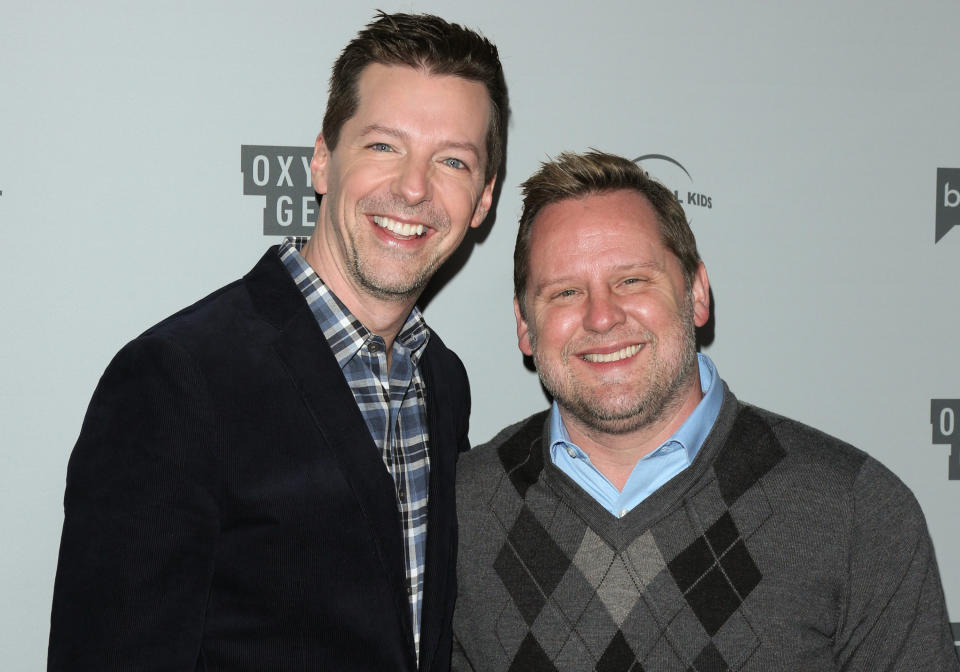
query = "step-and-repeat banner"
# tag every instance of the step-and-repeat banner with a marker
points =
(149, 152)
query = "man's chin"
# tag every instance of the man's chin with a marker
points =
(614, 426)
(397, 294)
(622, 414)
(607, 418)
(395, 289)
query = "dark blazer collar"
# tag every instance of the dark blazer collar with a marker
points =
(439, 583)
(314, 371)
(304, 352)
(274, 295)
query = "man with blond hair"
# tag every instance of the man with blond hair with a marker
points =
(649, 520)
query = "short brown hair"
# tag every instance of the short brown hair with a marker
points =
(577, 175)
(420, 41)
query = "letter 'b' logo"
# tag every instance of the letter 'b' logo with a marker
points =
(948, 201)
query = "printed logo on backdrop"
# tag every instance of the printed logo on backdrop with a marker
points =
(675, 177)
(948, 201)
(945, 422)
(282, 174)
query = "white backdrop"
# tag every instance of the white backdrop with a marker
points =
(815, 130)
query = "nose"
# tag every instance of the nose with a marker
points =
(603, 312)
(412, 182)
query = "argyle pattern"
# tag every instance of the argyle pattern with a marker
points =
(779, 548)
(669, 598)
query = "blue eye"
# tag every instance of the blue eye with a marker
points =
(455, 163)
(381, 147)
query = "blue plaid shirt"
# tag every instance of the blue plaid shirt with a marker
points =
(392, 403)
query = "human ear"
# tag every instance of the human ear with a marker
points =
(483, 205)
(319, 164)
(700, 291)
(523, 331)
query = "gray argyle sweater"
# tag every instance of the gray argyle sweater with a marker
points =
(779, 548)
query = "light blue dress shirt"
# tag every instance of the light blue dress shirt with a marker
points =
(654, 469)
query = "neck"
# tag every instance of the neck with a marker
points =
(615, 454)
(384, 317)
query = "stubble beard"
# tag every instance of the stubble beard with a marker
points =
(377, 284)
(648, 399)
(388, 278)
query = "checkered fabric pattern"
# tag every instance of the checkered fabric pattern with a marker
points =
(391, 400)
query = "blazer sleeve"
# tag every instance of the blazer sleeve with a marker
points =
(140, 519)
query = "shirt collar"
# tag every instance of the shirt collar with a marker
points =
(345, 334)
(690, 435)
(694, 430)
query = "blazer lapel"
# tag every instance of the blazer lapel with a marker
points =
(318, 378)
(441, 516)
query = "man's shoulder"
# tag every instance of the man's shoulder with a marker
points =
(221, 315)
(438, 352)
(216, 332)
(511, 448)
(799, 440)
(506, 465)
(200, 315)
(815, 459)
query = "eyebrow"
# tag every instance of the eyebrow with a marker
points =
(648, 266)
(403, 135)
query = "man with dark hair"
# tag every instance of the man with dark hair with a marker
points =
(264, 481)
(649, 520)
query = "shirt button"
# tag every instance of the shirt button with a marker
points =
(373, 346)
(571, 452)
(401, 493)
(623, 512)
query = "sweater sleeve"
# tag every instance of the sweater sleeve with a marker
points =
(140, 519)
(894, 615)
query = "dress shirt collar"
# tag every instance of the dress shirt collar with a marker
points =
(691, 434)
(653, 469)
(345, 334)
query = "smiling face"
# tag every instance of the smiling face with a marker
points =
(404, 183)
(610, 321)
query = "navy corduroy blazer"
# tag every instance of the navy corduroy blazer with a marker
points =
(226, 508)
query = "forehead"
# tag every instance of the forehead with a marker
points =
(620, 222)
(417, 100)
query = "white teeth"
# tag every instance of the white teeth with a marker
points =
(623, 353)
(398, 228)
